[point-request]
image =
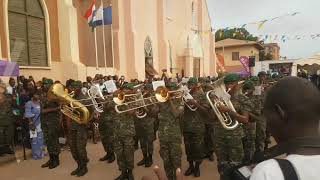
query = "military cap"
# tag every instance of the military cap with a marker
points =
(248, 84)
(76, 84)
(193, 80)
(231, 78)
(48, 81)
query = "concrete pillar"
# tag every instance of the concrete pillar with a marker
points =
(163, 47)
(69, 45)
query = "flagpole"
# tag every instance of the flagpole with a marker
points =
(104, 42)
(95, 43)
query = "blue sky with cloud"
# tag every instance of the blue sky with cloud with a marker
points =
(225, 13)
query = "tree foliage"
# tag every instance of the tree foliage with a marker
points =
(235, 33)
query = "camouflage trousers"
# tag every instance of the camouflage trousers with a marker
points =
(51, 129)
(249, 141)
(261, 126)
(229, 151)
(124, 149)
(146, 143)
(209, 139)
(194, 146)
(78, 141)
(170, 153)
(107, 135)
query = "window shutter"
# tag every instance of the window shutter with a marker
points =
(37, 41)
(18, 38)
(17, 5)
(34, 8)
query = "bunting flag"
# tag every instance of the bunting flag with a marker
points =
(261, 23)
(285, 37)
(102, 16)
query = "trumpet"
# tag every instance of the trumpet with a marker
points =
(221, 97)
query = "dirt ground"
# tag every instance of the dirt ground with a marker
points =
(31, 170)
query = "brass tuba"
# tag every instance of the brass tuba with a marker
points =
(219, 96)
(70, 107)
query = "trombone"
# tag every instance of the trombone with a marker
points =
(162, 94)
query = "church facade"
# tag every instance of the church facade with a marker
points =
(51, 38)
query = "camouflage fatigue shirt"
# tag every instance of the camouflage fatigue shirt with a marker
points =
(193, 121)
(45, 103)
(124, 125)
(169, 124)
(6, 115)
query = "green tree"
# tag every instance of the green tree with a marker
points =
(235, 33)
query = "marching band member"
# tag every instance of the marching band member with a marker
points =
(124, 141)
(50, 122)
(250, 128)
(106, 129)
(194, 128)
(209, 134)
(170, 134)
(78, 136)
(145, 130)
(229, 147)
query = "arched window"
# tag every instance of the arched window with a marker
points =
(27, 33)
(194, 11)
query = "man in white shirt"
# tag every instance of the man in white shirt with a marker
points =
(12, 86)
(292, 112)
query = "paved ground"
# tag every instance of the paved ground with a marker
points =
(31, 170)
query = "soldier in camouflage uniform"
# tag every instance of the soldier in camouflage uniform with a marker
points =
(6, 121)
(78, 136)
(208, 119)
(250, 128)
(229, 147)
(194, 128)
(124, 142)
(170, 134)
(50, 123)
(261, 121)
(145, 131)
(106, 129)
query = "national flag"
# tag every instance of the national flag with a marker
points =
(89, 14)
(102, 16)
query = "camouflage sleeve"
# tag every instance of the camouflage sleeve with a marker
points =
(245, 103)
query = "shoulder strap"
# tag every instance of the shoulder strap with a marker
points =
(287, 169)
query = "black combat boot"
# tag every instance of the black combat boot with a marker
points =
(190, 170)
(130, 175)
(143, 161)
(75, 172)
(55, 163)
(104, 158)
(111, 158)
(149, 161)
(48, 162)
(196, 171)
(122, 176)
(83, 170)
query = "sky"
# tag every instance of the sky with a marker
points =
(225, 13)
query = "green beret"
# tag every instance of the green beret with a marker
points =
(231, 78)
(193, 80)
(76, 84)
(129, 86)
(48, 81)
(248, 85)
(171, 86)
(254, 79)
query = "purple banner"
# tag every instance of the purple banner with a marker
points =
(245, 62)
(8, 68)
